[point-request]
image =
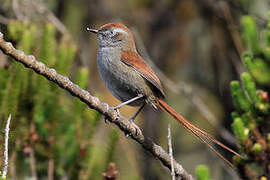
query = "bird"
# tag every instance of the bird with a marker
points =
(132, 81)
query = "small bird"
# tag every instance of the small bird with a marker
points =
(131, 80)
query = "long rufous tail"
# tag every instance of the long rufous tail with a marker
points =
(195, 130)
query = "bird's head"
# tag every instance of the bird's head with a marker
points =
(115, 35)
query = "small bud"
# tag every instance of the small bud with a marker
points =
(111, 173)
(263, 95)
(263, 178)
(239, 130)
(261, 107)
(257, 148)
(246, 132)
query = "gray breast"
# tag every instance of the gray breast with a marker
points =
(118, 77)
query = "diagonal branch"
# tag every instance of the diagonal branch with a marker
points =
(93, 102)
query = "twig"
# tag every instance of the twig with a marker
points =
(93, 102)
(17, 10)
(5, 166)
(43, 10)
(232, 27)
(4, 20)
(171, 151)
(12, 166)
(33, 163)
(50, 169)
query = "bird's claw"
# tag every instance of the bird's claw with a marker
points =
(117, 109)
(106, 119)
(126, 134)
(131, 123)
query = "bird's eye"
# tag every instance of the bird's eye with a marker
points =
(112, 33)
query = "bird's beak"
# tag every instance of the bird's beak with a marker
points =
(92, 30)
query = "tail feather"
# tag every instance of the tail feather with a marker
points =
(195, 130)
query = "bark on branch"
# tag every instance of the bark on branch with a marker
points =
(93, 102)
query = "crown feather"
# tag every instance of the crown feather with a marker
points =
(115, 25)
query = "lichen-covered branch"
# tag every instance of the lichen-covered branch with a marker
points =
(93, 102)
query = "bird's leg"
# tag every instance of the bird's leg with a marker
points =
(131, 120)
(136, 114)
(128, 101)
(117, 108)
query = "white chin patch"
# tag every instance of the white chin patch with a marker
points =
(118, 30)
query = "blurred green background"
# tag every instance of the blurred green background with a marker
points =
(198, 44)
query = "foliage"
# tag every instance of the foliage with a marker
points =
(48, 122)
(252, 114)
(1, 176)
(202, 172)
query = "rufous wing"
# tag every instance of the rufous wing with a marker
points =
(135, 61)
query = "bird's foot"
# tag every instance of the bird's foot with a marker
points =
(131, 121)
(106, 119)
(117, 109)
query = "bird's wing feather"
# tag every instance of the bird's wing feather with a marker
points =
(135, 61)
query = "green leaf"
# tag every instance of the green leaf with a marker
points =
(82, 77)
(261, 71)
(246, 119)
(250, 33)
(249, 87)
(48, 45)
(239, 98)
(239, 130)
